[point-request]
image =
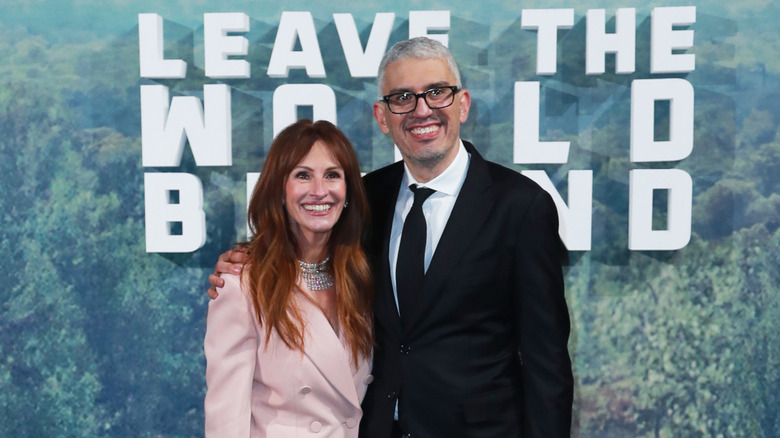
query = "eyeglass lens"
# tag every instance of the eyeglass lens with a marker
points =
(435, 98)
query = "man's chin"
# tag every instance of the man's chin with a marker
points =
(428, 160)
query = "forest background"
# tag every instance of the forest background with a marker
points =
(100, 338)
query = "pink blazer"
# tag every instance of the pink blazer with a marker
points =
(265, 389)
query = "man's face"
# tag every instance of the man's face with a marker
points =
(427, 138)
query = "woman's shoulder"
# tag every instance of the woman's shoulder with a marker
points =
(234, 301)
(236, 286)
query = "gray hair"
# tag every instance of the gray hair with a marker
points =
(420, 48)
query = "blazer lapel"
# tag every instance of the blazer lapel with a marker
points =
(469, 213)
(324, 347)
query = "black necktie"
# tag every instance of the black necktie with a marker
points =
(410, 267)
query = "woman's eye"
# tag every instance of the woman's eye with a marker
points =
(333, 175)
(302, 175)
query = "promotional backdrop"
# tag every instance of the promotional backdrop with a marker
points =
(130, 131)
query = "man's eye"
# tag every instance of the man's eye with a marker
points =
(435, 91)
(403, 97)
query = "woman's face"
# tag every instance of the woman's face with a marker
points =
(314, 195)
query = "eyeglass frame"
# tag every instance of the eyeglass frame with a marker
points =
(423, 95)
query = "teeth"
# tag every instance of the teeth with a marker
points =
(317, 207)
(426, 130)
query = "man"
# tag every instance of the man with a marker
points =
(476, 346)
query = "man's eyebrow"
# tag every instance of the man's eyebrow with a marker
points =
(425, 87)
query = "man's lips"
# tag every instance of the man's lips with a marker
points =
(424, 127)
(422, 130)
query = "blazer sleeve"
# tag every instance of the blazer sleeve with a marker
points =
(544, 323)
(230, 345)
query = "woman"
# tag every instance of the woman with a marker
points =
(289, 341)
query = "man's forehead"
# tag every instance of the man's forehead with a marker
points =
(407, 73)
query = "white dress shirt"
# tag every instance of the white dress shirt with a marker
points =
(436, 209)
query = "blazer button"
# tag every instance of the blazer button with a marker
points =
(305, 390)
(406, 349)
(369, 378)
(351, 423)
(391, 395)
(316, 426)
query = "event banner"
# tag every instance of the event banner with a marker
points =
(132, 134)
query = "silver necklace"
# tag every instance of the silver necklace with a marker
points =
(318, 276)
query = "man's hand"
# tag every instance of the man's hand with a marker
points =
(229, 262)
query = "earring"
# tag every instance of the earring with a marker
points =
(346, 203)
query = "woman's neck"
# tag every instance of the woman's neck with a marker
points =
(313, 254)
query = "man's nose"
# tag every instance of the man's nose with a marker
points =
(422, 109)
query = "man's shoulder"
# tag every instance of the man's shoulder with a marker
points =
(383, 175)
(500, 176)
(510, 180)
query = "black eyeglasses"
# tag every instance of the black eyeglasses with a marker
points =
(406, 101)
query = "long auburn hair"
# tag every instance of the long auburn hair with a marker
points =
(273, 250)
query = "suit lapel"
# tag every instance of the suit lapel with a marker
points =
(326, 351)
(469, 213)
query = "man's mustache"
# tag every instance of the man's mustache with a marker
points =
(420, 121)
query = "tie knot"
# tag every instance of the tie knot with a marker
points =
(421, 193)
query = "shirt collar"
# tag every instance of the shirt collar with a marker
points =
(449, 181)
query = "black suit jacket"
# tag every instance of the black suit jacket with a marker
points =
(493, 288)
